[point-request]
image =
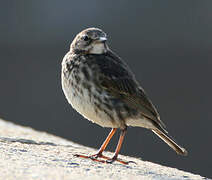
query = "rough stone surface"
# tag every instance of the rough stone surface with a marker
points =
(29, 154)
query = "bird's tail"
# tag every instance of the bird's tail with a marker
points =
(168, 140)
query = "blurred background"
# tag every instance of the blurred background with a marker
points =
(167, 44)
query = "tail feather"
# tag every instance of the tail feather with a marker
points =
(168, 140)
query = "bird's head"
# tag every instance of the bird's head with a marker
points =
(90, 41)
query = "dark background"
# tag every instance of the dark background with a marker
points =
(167, 44)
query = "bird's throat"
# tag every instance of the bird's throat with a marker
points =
(98, 48)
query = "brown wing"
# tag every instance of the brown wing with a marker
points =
(120, 81)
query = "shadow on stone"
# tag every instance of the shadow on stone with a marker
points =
(28, 141)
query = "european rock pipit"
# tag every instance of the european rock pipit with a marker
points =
(102, 88)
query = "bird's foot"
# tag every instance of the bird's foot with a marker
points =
(93, 157)
(108, 160)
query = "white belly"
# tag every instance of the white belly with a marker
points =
(85, 106)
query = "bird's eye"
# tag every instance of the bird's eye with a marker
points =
(85, 38)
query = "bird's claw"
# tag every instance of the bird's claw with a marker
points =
(108, 160)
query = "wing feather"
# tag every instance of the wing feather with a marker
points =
(118, 80)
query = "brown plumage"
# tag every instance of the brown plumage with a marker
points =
(101, 87)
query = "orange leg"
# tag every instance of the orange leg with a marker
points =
(102, 148)
(104, 145)
(106, 142)
(118, 148)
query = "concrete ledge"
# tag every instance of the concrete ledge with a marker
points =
(29, 154)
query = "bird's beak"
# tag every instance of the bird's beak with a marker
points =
(102, 39)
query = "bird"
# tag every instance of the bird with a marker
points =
(102, 88)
